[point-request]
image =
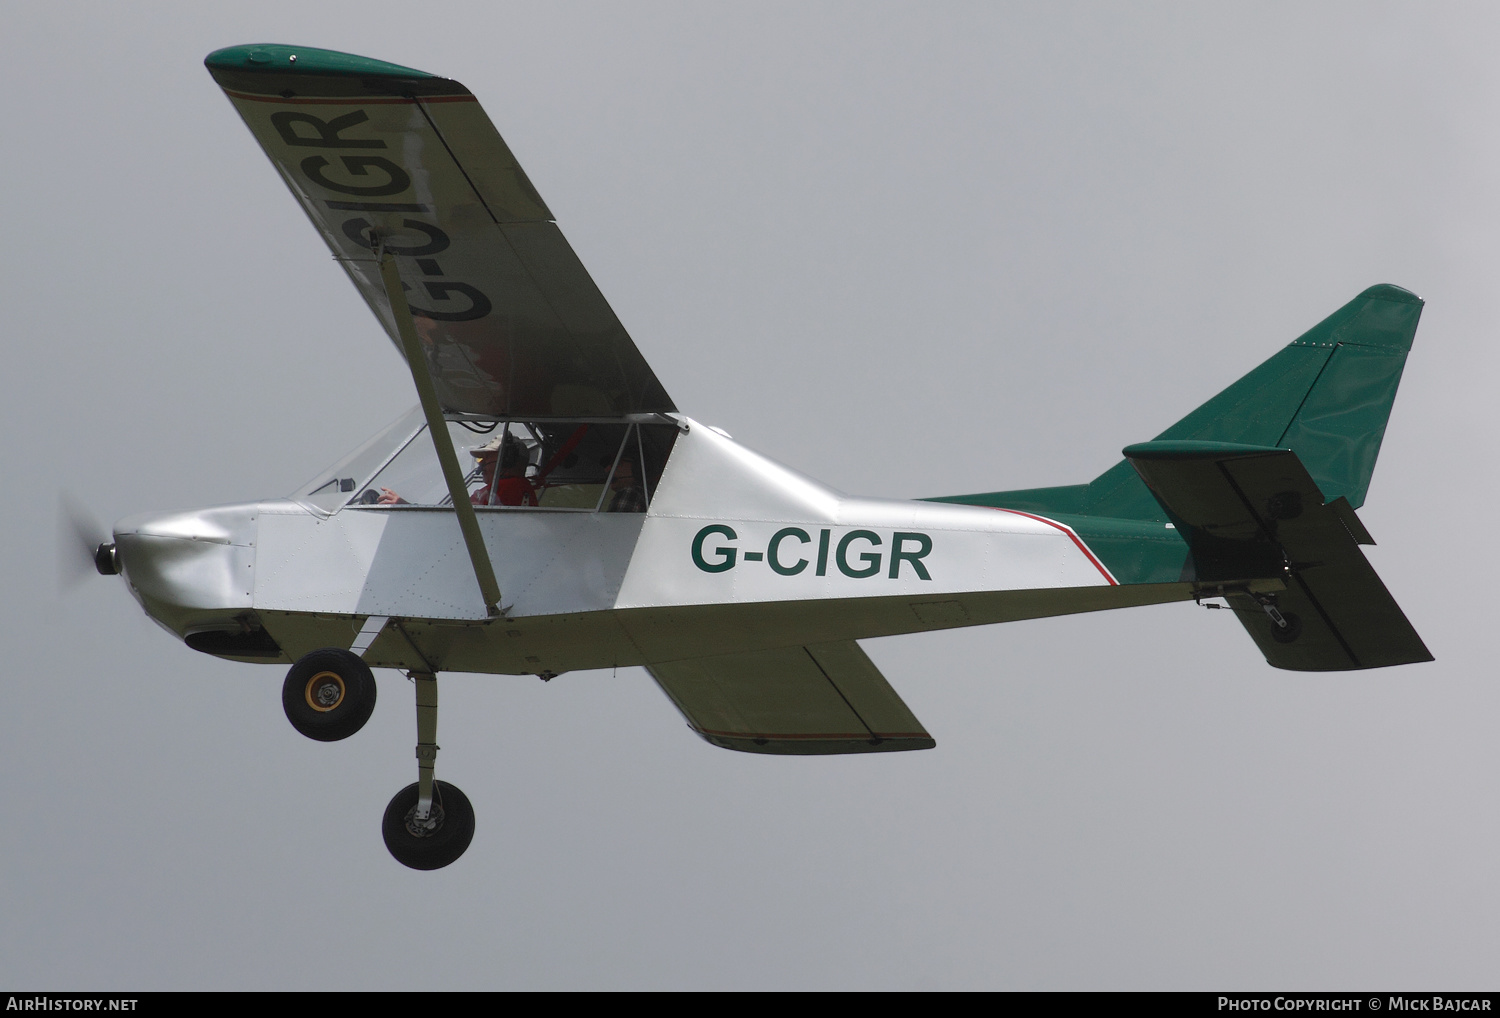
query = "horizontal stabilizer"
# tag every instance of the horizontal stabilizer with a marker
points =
(821, 699)
(1253, 512)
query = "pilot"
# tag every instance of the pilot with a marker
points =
(628, 496)
(512, 487)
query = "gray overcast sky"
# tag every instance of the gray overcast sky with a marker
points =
(908, 249)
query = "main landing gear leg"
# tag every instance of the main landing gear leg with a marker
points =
(428, 824)
(427, 747)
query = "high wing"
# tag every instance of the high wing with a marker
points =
(825, 698)
(383, 156)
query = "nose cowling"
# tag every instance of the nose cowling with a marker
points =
(185, 566)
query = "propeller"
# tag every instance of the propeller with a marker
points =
(83, 544)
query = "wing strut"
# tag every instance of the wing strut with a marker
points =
(438, 428)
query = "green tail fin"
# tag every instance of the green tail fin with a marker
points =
(1326, 396)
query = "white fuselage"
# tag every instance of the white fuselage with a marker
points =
(726, 527)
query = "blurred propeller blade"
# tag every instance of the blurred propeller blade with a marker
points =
(79, 535)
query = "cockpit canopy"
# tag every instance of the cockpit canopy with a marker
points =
(581, 465)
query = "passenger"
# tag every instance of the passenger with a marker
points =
(628, 496)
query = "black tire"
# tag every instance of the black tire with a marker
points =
(439, 846)
(328, 694)
(1291, 632)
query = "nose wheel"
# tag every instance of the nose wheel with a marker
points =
(328, 694)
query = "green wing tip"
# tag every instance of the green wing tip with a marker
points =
(1192, 449)
(303, 60)
(1389, 291)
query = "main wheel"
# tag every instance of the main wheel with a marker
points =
(329, 694)
(437, 843)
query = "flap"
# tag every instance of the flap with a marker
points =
(821, 699)
(511, 323)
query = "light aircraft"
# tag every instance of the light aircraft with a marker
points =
(546, 507)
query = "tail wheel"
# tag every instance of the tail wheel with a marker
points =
(438, 841)
(1290, 632)
(329, 694)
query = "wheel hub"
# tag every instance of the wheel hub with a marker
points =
(424, 828)
(325, 691)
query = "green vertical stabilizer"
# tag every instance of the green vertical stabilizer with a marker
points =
(1326, 396)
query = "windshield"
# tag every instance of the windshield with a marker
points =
(331, 488)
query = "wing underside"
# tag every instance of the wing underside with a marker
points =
(820, 699)
(381, 156)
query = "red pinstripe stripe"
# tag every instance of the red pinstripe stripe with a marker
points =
(1069, 531)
